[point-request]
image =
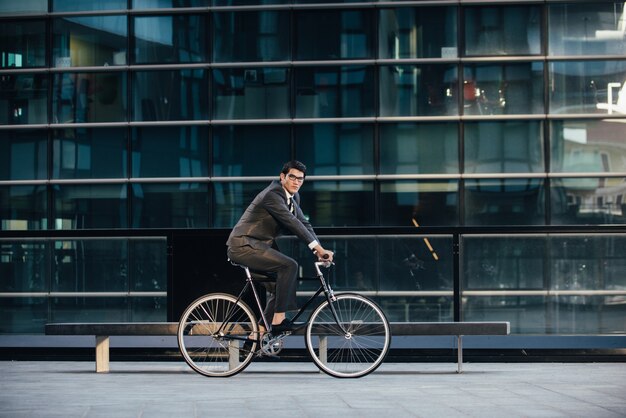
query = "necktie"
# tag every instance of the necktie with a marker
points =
(290, 204)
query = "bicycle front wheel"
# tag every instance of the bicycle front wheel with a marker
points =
(352, 345)
(211, 333)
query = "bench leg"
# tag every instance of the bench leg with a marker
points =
(233, 354)
(102, 354)
(459, 353)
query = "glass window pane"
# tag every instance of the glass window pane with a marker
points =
(251, 36)
(148, 266)
(339, 34)
(23, 7)
(419, 203)
(420, 32)
(418, 90)
(503, 30)
(230, 200)
(170, 151)
(175, 205)
(419, 148)
(23, 155)
(592, 28)
(336, 149)
(89, 153)
(504, 147)
(89, 309)
(25, 266)
(236, 150)
(504, 201)
(169, 4)
(251, 93)
(170, 39)
(338, 203)
(23, 99)
(89, 97)
(503, 89)
(588, 201)
(86, 206)
(323, 92)
(23, 207)
(588, 87)
(82, 5)
(248, 2)
(22, 315)
(23, 44)
(588, 146)
(170, 95)
(89, 41)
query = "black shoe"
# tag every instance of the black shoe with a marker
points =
(286, 326)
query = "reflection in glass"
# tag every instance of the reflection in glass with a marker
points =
(588, 87)
(588, 200)
(420, 32)
(503, 147)
(169, 4)
(23, 207)
(170, 205)
(89, 41)
(89, 97)
(82, 5)
(89, 153)
(251, 93)
(338, 34)
(170, 95)
(418, 90)
(328, 92)
(87, 206)
(592, 28)
(22, 43)
(23, 155)
(507, 89)
(419, 203)
(419, 148)
(170, 151)
(230, 200)
(170, 39)
(251, 36)
(504, 201)
(338, 203)
(23, 7)
(22, 315)
(89, 309)
(237, 150)
(503, 30)
(148, 266)
(25, 266)
(23, 98)
(336, 149)
(247, 2)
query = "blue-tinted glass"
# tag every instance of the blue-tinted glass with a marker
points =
(330, 92)
(24, 315)
(23, 155)
(589, 201)
(169, 4)
(89, 153)
(170, 95)
(170, 151)
(230, 200)
(336, 149)
(23, 44)
(23, 98)
(338, 203)
(89, 97)
(23, 7)
(25, 266)
(90, 206)
(419, 148)
(89, 309)
(419, 202)
(503, 30)
(170, 205)
(420, 32)
(418, 90)
(251, 93)
(251, 36)
(23, 207)
(248, 2)
(504, 147)
(82, 5)
(171, 39)
(237, 150)
(148, 265)
(507, 89)
(339, 34)
(504, 201)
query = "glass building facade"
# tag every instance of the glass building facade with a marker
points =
(467, 159)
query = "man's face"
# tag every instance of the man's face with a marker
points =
(292, 180)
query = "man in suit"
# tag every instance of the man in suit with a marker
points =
(275, 210)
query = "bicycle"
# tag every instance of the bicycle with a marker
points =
(347, 335)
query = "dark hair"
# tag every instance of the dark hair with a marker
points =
(293, 164)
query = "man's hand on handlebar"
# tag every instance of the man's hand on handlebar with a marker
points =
(324, 255)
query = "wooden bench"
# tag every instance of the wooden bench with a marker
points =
(102, 332)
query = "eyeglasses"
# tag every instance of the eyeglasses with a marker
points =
(293, 177)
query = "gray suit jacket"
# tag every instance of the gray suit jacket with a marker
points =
(268, 217)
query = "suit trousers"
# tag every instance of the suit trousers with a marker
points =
(275, 263)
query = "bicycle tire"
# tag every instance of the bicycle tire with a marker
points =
(211, 333)
(356, 352)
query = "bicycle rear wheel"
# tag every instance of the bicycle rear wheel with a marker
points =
(357, 345)
(211, 333)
